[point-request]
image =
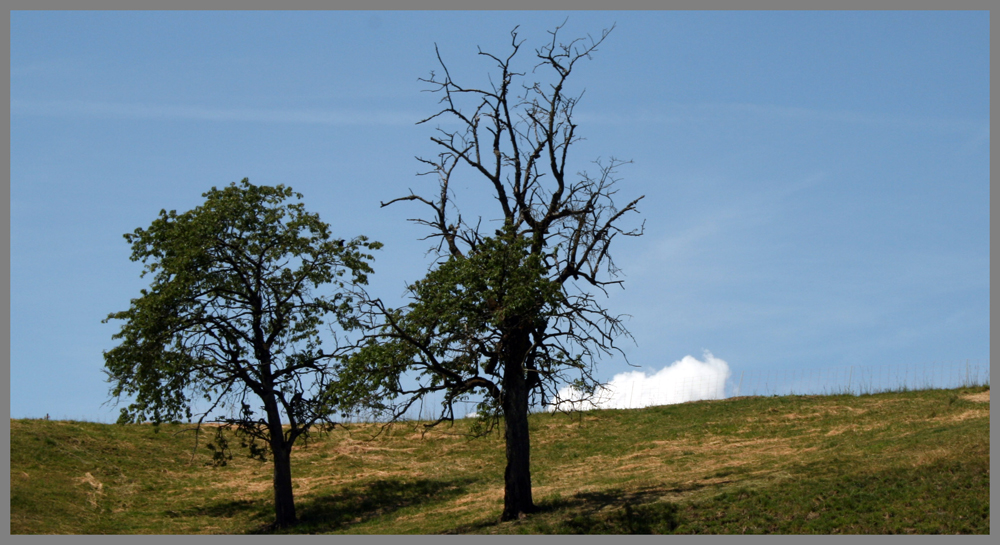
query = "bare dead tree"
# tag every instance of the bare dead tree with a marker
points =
(509, 316)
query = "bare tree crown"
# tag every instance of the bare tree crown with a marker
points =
(518, 137)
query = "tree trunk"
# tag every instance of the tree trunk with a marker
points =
(284, 503)
(517, 477)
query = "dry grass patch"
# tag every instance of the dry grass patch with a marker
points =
(981, 397)
(928, 457)
(854, 428)
(96, 488)
(974, 413)
(477, 503)
(242, 483)
(304, 486)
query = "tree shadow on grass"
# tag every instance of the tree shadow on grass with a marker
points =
(611, 511)
(357, 503)
(226, 509)
(592, 502)
(352, 504)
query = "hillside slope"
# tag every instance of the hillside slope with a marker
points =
(904, 462)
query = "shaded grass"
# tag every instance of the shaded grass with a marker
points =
(370, 501)
(902, 462)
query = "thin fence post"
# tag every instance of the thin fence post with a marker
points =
(849, 378)
(739, 389)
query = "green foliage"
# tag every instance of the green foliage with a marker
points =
(221, 453)
(499, 284)
(235, 308)
(459, 315)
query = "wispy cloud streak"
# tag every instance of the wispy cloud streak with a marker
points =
(77, 108)
(679, 113)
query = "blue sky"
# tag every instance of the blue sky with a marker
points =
(817, 183)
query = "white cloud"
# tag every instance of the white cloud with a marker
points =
(688, 379)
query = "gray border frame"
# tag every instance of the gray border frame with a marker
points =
(509, 5)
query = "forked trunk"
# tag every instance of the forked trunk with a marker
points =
(517, 477)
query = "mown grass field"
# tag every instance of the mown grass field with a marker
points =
(903, 462)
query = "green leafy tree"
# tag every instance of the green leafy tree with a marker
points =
(242, 286)
(510, 317)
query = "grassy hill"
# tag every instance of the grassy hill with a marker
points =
(904, 462)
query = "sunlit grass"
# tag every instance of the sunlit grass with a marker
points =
(902, 462)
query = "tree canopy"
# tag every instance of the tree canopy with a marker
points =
(242, 287)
